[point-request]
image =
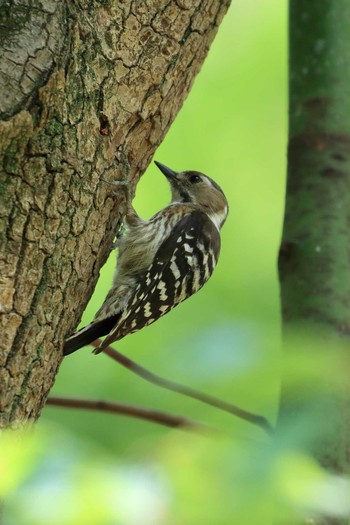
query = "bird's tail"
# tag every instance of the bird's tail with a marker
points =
(89, 333)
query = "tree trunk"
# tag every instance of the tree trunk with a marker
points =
(314, 259)
(88, 90)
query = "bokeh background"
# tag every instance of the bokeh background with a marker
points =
(93, 468)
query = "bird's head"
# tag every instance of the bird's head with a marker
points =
(198, 189)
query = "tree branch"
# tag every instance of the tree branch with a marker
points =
(155, 416)
(255, 419)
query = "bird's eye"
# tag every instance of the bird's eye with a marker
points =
(194, 179)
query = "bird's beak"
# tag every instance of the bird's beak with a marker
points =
(170, 174)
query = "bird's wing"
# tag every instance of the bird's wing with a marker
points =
(183, 263)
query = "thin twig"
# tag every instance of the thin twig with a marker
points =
(255, 419)
(156, 416)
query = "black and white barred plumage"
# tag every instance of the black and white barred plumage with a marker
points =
(162, 261)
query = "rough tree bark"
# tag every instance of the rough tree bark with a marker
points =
(314, 259)
(88, 90)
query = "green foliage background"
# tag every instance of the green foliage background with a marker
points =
(82, 467)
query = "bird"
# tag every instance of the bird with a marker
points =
(161, 261)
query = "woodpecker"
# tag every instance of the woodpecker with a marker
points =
(162, 261)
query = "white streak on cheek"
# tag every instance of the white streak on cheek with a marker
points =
(218, 218)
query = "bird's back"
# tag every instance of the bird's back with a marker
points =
(183, 263)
